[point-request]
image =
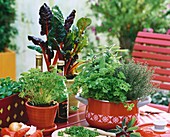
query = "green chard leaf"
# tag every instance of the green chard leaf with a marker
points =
(69, 42)
(57, 32)
(36, 48)
(83, 23)
(58, 14)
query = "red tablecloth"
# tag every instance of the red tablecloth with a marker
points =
(155, 114)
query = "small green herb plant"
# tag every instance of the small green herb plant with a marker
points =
(105, 77)
(160, 97)
(8, 87)
(98, 79)
(43, 88)
(127, 129)
(64, 41)
(78, 131)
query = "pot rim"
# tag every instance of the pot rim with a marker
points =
(38, 107)
(106, 101)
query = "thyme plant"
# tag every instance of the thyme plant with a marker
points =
(139, 77)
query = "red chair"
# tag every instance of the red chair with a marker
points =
(154, 50)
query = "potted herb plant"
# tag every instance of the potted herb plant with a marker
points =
(64, 41)
(12, 108)
(43, 91)
(7, 32)
(112, 90)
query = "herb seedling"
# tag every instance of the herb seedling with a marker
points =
(78, 131)
(43, 88)
(8, 87)
(127, 130)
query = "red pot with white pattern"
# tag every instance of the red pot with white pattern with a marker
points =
(106, 115)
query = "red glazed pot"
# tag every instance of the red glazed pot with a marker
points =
(41, 117)
(106, 115)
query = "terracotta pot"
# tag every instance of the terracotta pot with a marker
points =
(41, 117)
(72, 100)
(106, 115)
(8, 64)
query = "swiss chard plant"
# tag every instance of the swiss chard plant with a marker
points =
(127, 129)
(63, 39)
(9, 87)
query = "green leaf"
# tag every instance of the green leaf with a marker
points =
(57, 33)
(116, 131)
(58, 14)
(119, 128)
(102, 63)
(60, 133)
(83, 42)
(131, 122)
(36, 48)
(69, 42)
(8, 87)
(8, 93)
(136, 134)
(124, 122)
(74, 108)
(83, 23)
(132, 128)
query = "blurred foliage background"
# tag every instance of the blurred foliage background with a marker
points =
(7, 29)
(124, 18)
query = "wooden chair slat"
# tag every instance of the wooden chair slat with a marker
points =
(153, 63)
(149, 55)
(162, 71)
(151, 48)
(153, 35)
(162, 85)
(153, 41)
(161, 78)
(154, 49)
